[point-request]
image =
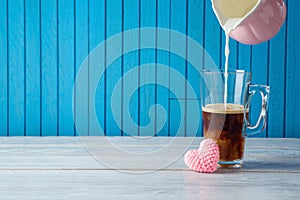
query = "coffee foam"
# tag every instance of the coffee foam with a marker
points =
(222, 109)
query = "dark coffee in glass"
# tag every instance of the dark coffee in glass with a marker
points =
(225, 124)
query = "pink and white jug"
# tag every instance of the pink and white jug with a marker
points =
(250, 21)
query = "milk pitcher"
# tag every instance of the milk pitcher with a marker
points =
(250, 21)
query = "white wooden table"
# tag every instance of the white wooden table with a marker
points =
(141, 168)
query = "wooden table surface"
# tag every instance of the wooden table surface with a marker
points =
(141, 168)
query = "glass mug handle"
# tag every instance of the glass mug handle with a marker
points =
(261, 123)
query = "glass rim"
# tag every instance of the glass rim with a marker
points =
(222, 71)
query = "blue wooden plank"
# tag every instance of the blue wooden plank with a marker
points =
(16, 68)
(212, 36)
(260, 76)
(49, 68)
(3, 69)
(178, 23)
(32, 10)
(96, 36)
(196, 32)
(277, 83)
(114, 71)
(147, 92)
(162, 93)
(175, 116)
(25, 86)
(244, 57)
(66, 66)
(81, 52)
(130, 60)
(292, 107)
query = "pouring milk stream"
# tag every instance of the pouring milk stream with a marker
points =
(234, 11)
(249, 22)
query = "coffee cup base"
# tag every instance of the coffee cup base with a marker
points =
(230, 164)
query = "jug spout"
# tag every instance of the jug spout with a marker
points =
(250, 21)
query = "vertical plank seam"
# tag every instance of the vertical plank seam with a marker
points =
(268, 80)
(88, 70)
(221, 55)
(74, 77)
(7, 66)
(237, 55)
(186, 66)
(25, 67)
(203, 29)
(156, 41)
(285, 75)
(122, 73)
(251, 57)
(139, 73)
(203, 43)
(41, 68)
(169, 81)
(105, 60)
(57, 68)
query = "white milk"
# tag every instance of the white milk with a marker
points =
(228, 27)
(230, 14)
(236, 8)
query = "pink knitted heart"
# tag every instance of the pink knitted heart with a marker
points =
(205, 159)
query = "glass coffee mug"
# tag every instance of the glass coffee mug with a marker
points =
(225, 112)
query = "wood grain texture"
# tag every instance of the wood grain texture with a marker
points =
(163, 57)
(3, 69)
(158, 185)
(15, 66)
(65, 66)
(61, 167)
(113, 73)
(49, 68)
(260, 61)
(277, 69)
(196, 32)
(97, 34)
(131, 20)
(16, 75)
(244, 57)
(147, 92)
(178, 23)
(292, 72)
(33, 70)
(99, 153)
(43, 44)
(81, 53)
(212, 36)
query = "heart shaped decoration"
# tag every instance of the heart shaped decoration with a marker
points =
(205, 159)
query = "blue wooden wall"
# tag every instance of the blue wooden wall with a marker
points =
(43, 44)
